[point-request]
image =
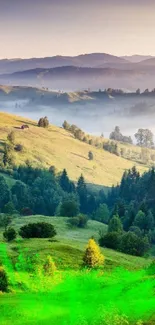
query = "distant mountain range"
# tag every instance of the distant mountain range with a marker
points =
(136, 58)
(94, 71)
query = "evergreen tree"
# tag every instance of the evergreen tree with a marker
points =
(4, 192)
(93, 257)
(65, 182)
(82, 192)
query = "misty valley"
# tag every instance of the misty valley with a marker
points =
(102, 109)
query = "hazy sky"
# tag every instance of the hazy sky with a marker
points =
(37, 28)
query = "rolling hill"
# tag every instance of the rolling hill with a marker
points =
(86, 60)
(71, 78)
(55, 146)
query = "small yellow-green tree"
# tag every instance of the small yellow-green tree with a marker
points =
(49, 266)
(93, 257)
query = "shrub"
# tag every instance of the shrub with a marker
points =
(82, 220)
(79, 221)
(93, 257)
(11, 137)
(10, 234)
(3, 280)
(19, 147)
(37, 230)
(49, 266)
(74, 221)
(90, 155)
(110, 240)
(133, 245)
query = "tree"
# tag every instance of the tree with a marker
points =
(9, 208)
(6, 221)
(65, 183)
(115, 225)
(132, 244)
(102, 213)
(93, 257)
(37, 230)
(143, 221)
(43, 122)
(66, 125)
(4, 283)
(90, 155)
(82, 192)
(20, 190)
(69, 208)
(110, 240)
(144, 138)
(4, 192)
(7, 156)
(9, 234)
(49, 266)
(11, 137)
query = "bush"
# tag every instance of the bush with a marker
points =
(37, 230)
(133, 245)
(93, 257)
(82, 220)
(74, 221)
(90, 155)
(110, 240)
(19, 147)
(3, 280)
(49, 266)
(79, 221)
(10, 234)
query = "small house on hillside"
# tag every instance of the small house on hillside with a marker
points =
(24, 127)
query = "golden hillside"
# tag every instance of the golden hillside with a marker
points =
(55, 146)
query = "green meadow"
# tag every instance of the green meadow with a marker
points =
(121, 292)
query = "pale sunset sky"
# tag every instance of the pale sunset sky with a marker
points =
(38, 28)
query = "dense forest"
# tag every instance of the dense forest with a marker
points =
(128, 209)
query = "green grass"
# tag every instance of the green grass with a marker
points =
(55, 146)
(67, 248)
(81, 298)
(74, 296)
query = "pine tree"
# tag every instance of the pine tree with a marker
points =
(82, 192)
(93, 257)
(65, 182)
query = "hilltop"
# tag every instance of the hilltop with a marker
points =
(56, 146)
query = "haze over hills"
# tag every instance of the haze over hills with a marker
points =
(83, 60)
(107, 109)
(136, 58)
(94, 71)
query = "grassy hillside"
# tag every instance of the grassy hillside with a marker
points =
(68, 246)
(55, 146)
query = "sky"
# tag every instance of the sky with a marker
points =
(39, 28)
